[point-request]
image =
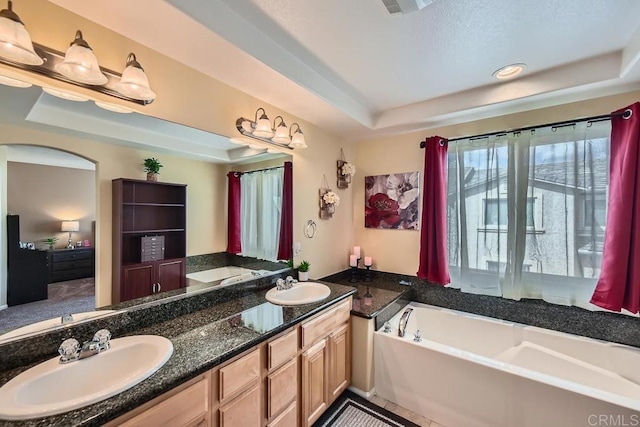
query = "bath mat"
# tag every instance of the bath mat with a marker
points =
(351, 410)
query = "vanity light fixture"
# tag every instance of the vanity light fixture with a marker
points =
(134, 82)
(15, 41)
(509, 71)
(261, 129)
(59, 93)
(113, 107)
(80, 64)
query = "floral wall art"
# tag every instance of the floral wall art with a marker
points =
(392, 201)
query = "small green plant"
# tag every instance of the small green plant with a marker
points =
(51, 241)
(152, 165)
(304, 266)
(290, 263)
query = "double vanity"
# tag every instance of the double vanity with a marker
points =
(232, 358)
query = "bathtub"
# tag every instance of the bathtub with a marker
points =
(223, 276)
(472, 371)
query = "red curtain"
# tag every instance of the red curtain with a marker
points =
(434, 265)
(234, 245)
(285, 244)
(619, 283)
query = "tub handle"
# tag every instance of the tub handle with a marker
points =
(387, 327)
(417, 336)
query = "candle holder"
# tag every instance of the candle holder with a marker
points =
(367, 274)
(354, 272)
(368, 298)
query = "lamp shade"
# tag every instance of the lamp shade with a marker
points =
(282, 134)
(263, 126)
(70, 226)
(134, 82)
(15, 41)
(297, 140)
(80, 64)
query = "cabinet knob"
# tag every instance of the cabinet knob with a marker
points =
(153, 287)
(159, 287)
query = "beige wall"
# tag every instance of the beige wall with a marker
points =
(44, 196)
(206, 192)
(398, 250)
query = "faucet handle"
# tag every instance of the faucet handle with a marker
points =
(387, 327)
(69, 350)
(66, 318)
(280, 284)
(102, 337)
(417, 336)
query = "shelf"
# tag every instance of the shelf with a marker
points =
(168, 205)
(164, 230)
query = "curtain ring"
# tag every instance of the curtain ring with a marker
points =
(442, 143)
(627, 114)
(310, 229)
(553, 129)
(589, 124)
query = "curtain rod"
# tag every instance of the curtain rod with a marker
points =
(625, 114)
(262, 170)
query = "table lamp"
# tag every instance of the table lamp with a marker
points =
(70, 226)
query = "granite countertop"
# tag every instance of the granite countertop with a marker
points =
(376, 294)
(201, 340)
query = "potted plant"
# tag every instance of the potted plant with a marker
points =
(51, 241)
(152, 167)
(303, 271)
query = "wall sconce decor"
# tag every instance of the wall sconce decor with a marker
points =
(328, 201)
(70, 226)
(78, 65)
(260, 128)
(345, 171)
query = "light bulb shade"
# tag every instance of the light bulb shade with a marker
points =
(297, 140)
(70, 226)
(113, 107)
(15, 41)
(134, 82)
(64, 94)
(282, 135)
(8, 81)
(263, 127)
(80, 64)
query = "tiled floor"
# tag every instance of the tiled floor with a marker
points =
(403, 412)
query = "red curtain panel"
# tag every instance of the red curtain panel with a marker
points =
(285, 244)
(619, 283)
(434, 265)
(234, 245)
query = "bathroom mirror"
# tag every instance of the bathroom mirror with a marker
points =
(29, 109)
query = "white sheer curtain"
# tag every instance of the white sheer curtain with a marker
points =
(260, 210)
(526, 213)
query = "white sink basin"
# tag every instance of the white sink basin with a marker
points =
(300, 293)
(52, 388)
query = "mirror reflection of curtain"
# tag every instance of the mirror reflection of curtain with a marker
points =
(526, 213)
(260, 211)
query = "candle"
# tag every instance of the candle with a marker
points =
(356, 251)
(353, 260)
(367, 261)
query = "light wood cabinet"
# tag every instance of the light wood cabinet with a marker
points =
(339, 361)
(314, 383)
(237, 375)
(242, 411)
(282, 388)
(289, 418)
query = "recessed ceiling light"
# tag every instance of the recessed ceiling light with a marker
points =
(8, 81)
(509, 71)
(113, 107)
(64, 94)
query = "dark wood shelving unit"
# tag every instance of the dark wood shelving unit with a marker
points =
(143, 208)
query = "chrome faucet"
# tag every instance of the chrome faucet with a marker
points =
(403, 321)
(70, 349)
(66, 318)
(283, 284)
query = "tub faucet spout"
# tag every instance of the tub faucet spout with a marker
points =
(403, 322)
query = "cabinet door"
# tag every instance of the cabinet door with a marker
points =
(339, 361)
(314, 383)
(138, 281)
(243, 410)
(171, 274)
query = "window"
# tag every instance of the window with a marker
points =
(568, 169)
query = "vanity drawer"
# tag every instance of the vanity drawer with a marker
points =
(282, 349)
(324, 324)
(70, 265)
(237, 375)
(282, 388)
(71, 255)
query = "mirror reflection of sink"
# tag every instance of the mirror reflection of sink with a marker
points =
(53, 323)
(53, 388)
(300, 293)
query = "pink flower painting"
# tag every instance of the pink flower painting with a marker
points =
(392, 201)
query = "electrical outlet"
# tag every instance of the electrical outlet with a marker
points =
(297, 248)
